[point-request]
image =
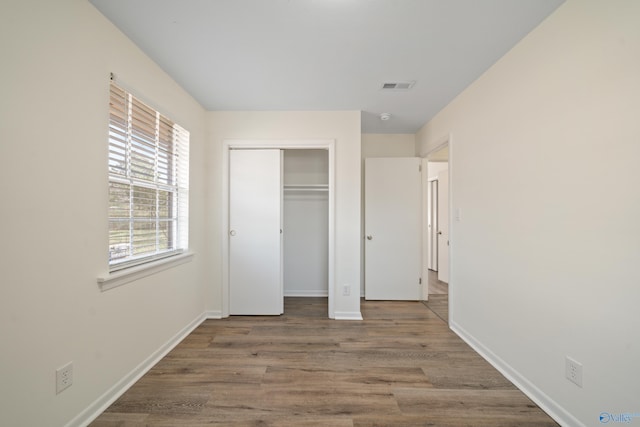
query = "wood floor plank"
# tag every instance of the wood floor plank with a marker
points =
(436, 287)
(330, 400)
(440, 421)
(439, 305)
(380, 379)
(402, 365)
(120, 419)
(267, 420)
(479, 406)
(149, 398)
(198, 371)
(475, 376)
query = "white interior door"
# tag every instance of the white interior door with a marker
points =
(393, 222)
(443, 226)
(255, 240)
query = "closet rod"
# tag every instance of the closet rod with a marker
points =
(311, 187)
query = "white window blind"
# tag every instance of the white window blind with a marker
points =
(148, 183)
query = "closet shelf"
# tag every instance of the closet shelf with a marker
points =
(306, 187)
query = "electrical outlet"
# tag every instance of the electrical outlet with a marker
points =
(573, 371)
(64, 377)
(346, 290)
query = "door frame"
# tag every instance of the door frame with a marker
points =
(432, 215)
(443, 238)
(282, 144)
(445, 141)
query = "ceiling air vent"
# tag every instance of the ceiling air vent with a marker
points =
(398, 85)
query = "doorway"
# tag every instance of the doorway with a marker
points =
(327, 188)
(436, 237)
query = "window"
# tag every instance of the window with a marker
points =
(148, 183)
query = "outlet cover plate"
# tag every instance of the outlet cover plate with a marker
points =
(573, 371)
(64, 377)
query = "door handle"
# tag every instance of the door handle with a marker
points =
(369, 237)
(439, 233)
(232, 233)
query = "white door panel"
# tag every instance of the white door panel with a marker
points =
(393, 223)
(255, 241)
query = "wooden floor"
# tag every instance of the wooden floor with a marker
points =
(401, 366)
(436, 287)
(438, 301)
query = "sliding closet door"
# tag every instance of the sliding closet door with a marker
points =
(255, 239)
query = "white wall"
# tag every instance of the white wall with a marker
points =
(388, 145)
(306, 223)
(341, 126)
(433, 168)
(545, 259)
(56, 60)
(306, 167)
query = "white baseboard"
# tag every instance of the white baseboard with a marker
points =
(213, 314)
(103, 402)
(555, 411)
(306, 293)
(347, 315)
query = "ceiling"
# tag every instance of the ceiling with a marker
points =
(327, 55)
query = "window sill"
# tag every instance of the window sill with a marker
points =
(119, 278)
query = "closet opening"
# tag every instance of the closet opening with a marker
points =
(306, 223)
(289, 182)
